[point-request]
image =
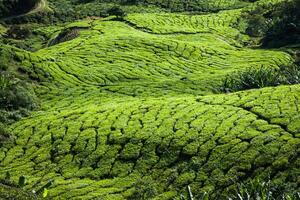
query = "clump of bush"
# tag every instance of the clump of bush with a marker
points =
(14, 94)
(277, 25)
(250, 78)
(117, 11)
(145, 188)
(285, 28)
(18, 32)
(258, 22)
(5, 137)
(16, 98)
(254, 78)
(6, 56)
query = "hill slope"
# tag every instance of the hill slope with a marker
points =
(129, 110)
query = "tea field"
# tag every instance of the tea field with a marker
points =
(132, 109)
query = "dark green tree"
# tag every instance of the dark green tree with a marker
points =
(117, 11)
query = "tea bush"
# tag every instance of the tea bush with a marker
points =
(129, 108)
(6, 138)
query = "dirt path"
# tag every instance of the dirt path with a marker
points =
(41, 5)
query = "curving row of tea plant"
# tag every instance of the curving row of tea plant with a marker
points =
(206, 142)
(129, 110)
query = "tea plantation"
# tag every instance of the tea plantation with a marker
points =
(132, 108)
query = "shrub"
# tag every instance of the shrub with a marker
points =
(12, 190)
(251, 78)
(5, 137)
(18, 32)
(145, 188)
(286, 25)
(258, 26)
(278, 25)
(6, 56)
(117, 11)
(14, 94)
(291, 74)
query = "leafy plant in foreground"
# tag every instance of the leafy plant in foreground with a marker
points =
(253, 190)
(12, 190)
(261, 190)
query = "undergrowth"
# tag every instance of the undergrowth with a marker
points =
(16, 98)
(254, 78)
(254, 189)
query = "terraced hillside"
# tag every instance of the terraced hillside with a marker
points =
(130, 110)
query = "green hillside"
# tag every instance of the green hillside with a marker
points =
(133, 108)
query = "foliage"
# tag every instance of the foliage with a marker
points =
(15, 7)
(68, 10)
(6, 57)
(117, 11)
(257, 189)
(286, 25)
(145, 188)
(253, 78)
(14, 95)
(258, 25)
(16, 98)
(290, 74)
(5, 137)
(18, 32)
(10, 192)
(278, 25)
(129, 110)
